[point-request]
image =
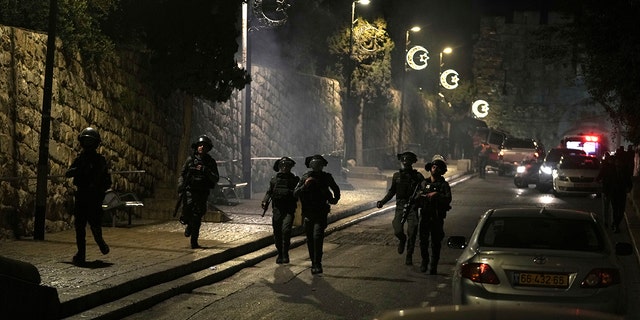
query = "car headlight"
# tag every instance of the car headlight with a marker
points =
(521, 169)
(546, 169)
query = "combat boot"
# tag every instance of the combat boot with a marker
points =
(402, 244)
(424, 265)
(408, 260)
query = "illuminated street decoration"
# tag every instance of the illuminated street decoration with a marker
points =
(480, 108)
(366, 36)
(423, 57)
(271, 13)
(444, 79)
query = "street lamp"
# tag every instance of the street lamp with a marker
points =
(350, 113)
(404, 75)
(446, 50)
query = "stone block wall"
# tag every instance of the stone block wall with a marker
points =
(293, 114)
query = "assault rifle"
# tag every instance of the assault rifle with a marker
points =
(407, 206)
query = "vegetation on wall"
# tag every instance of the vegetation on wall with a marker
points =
(191, 44)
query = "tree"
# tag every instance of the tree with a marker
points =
(191, 44)
(608, 35)
(368, 69)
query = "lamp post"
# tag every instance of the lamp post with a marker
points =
(444, 51)
(404, 76)
(349, 139)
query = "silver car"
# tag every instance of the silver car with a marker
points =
(576, 174)
(534, 257)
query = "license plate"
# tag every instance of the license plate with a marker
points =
(542, 279)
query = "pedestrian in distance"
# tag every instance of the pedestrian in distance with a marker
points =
(433, 200)
(484, 152)
(91, 177)
(198, 176)
(404, 184)
(317, 191)
(622, 183)
(283, 204)
(606, 177)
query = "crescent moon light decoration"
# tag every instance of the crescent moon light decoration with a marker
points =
(454, 79)
(480, 108)
(423, 58)
(271, 13)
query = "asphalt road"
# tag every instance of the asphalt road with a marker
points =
(363, 274)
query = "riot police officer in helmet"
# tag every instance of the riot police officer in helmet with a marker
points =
(403, 186)
(199, 174)
(91, 177)
(433, 201)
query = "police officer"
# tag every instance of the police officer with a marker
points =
(91, 177)
(403, 186)
(283, 203)
(317, 190)
(434, 201)
(199, 175)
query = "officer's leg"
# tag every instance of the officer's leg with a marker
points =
(308, 230)
(318, 241)
(424, 244)
(80, 225)
(199, 209)
(412, 234)
(287, 224)
(437, 234)
(95, 223)
(276, 222)
(398, 229)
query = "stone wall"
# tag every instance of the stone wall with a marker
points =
(530, 96)
(293, 114)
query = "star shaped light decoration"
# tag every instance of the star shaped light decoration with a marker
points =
(271, 13)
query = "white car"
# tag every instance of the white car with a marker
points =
(576, 174)
(538, 258)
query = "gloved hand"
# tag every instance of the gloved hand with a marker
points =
(379, 204)
(333, 200)
(264, 205)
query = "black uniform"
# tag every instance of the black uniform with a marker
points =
(284, 206)
(403, 185)
(315, 197)
(91, 177)
(199, 175)
(433, 211)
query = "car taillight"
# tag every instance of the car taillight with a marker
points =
(479, 272)
(601, 278)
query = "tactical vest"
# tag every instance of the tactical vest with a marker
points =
(283, 187)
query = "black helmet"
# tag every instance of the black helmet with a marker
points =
(409, 156)
(317, 157)
(89, 138)
(438, 161)
(284, 161)
(205, 141)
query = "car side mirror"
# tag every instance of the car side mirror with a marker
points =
(624, 249)
(457, 242)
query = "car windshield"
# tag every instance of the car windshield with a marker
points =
(579, 163)
(555, 154)
(541, 233)
(519, 143)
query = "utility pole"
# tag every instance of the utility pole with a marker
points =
(45, 127)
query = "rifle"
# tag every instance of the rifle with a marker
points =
(407, 206)
(266, 207)
(178, 204)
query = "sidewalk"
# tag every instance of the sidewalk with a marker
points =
(151, 261)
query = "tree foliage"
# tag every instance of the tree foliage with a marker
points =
(372, 46)
(608, 34)
(191, 44)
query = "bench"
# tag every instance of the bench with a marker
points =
(227, 190)
(114, 203)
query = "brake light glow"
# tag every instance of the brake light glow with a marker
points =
(591, 138)
(601, 278)
(479, 272)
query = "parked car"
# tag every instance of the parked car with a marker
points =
(516, 150)
(457, 312)
(527, 173)
(539, 257)
(545, 178)
(576, 174)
